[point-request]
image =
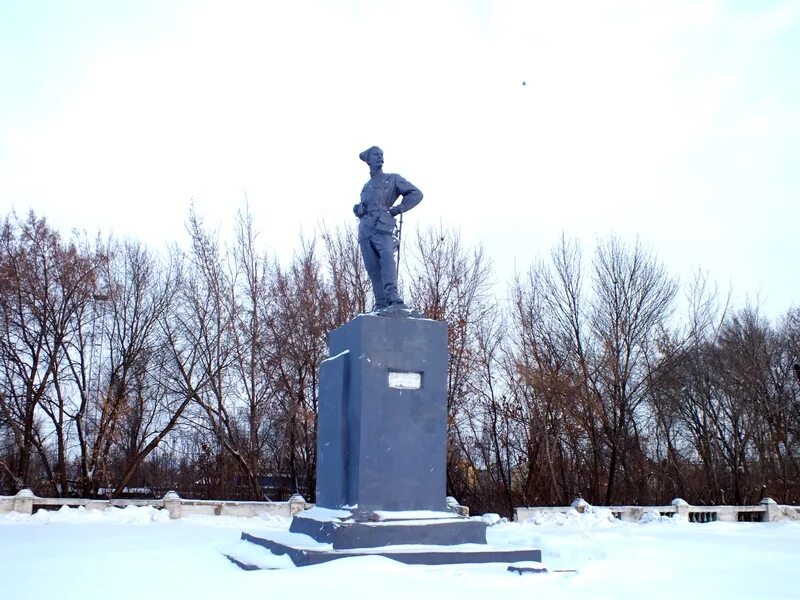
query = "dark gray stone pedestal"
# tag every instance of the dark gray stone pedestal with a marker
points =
(382, 424)
(381, 454)
(348, 533)
(302, 556)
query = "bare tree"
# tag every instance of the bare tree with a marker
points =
(298, 324)
(540, 368)
(581, 365)
(140, 298)
(633, 296)
(45, 282)
(451, 282)
(213, 340)
(346, 275)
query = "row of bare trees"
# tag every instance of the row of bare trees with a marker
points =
(591, 383)
(123, 369)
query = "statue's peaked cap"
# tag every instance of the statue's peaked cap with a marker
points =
(365, 154)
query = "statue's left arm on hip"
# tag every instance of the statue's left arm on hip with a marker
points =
(410, 193)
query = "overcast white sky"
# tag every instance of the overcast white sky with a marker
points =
(677, 122)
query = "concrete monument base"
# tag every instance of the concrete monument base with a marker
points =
(381, 456)
(378, 529)
(303, 556)
(411, 537)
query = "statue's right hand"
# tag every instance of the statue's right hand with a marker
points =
(358, 210)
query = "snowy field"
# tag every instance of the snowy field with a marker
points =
(140, 553)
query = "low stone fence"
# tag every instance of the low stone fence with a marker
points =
(766, 511)
(28, 503)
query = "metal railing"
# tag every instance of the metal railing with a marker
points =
(765, 511)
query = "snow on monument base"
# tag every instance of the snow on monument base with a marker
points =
(427, 537)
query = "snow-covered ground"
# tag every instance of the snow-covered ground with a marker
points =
(140, 553)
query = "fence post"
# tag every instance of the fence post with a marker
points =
(296, 504)
(770, 509)
(23, 501)
(172, 502)
(681, 507)
(579, 504)
(453, 506)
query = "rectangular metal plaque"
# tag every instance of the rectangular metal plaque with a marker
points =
(405, 380)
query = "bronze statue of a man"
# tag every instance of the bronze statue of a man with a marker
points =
(376, 213)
